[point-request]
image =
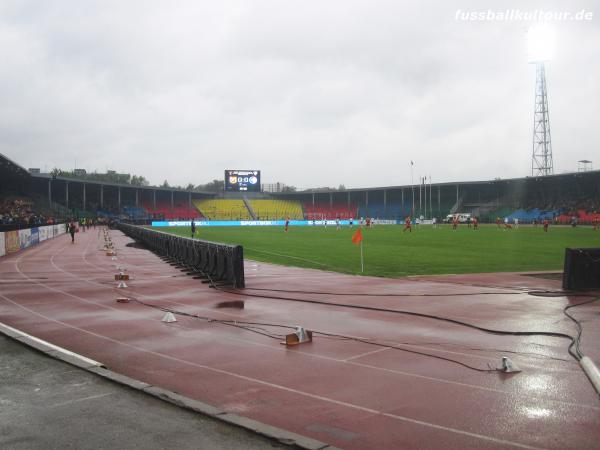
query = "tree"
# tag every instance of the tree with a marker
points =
(165, 184)
(139, 181)
(288, 189)
(213, 186)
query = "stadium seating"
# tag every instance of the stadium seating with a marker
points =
(582, 217)
(389, 211)
(135, 213)
(276, 209)
(320, 211)
(528, 216)
(178, 211)
(492, 215)
(107, 214)
(221, 209)
(21, 211)
(81, 214)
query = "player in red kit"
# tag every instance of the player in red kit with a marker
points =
(455, 222)
(407, 225)
(475, 223)
(546, 223)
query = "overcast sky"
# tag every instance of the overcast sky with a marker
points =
(313, 93)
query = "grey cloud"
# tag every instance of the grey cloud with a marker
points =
(312, 93)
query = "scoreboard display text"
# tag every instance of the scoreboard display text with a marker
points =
(242, 180)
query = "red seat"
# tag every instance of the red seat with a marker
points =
(320, 211)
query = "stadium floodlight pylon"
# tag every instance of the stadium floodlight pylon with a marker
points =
(541, 160)
(540, 49)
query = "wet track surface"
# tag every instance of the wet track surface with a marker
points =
(370, 378)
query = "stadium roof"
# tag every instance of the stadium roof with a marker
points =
(11, 172)
(123, 185)
(450, 183)
(9, 166)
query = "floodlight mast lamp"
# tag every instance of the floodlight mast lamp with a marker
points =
(541, 161)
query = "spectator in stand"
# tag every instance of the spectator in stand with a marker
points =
(19, 213)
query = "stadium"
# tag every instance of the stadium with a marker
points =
(449, 333)
(456, 311)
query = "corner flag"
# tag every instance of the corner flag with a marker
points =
(357, 237)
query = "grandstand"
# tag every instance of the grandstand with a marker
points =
(379, 210)
(491, 215)
(581, 216)
(533, 215)
(223, 209)
(318, 211)
(135, 212)
(166, 211)
(20, 206)
(559, 197)
(276, 209)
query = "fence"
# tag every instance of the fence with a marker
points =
(14, 241)
(219, 262)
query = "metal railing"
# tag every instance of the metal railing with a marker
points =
(219, 263)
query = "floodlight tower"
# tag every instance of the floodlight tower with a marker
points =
(540, 44)
(541, 160)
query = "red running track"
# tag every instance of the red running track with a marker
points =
(344, 392)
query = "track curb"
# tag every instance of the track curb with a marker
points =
(97, 368)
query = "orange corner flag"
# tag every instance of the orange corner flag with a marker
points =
(357, 237)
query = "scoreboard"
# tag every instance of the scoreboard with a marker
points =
(242, 180)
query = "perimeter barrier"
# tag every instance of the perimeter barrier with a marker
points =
(19, 239)
(221, 263)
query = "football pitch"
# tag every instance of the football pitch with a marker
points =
(390, 252)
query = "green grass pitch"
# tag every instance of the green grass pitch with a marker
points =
(389, 252)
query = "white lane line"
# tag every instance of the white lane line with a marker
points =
(288, 389)
(338, 360)
(131, 293)
(372, 352)
(405, 374)
(122, 261)
(61, 291)
(56, 348)
(84, 399)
